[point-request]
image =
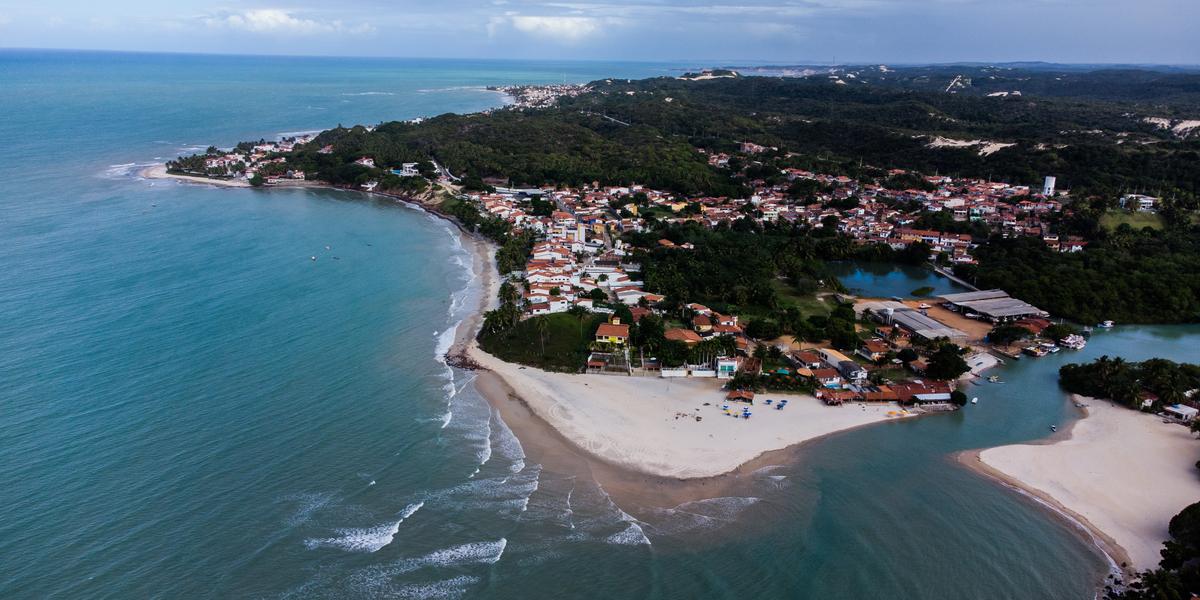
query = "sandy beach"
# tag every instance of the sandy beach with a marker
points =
(1121, 473)
(160, 172)
(649, 424)
(645, 424)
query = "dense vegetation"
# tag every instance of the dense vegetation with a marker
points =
(1178, 572)
(557, 342)
(1124, 382)
(648, 131)
(1146, 276)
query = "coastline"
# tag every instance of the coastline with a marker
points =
(1093, 474)
(538, 421)
(160, 172)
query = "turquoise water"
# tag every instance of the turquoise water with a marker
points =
(887, 280)
(192, 407)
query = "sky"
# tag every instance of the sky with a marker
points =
(736, 32)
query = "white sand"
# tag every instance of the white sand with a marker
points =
(631, 421)
(160, 172)
(1126, 473)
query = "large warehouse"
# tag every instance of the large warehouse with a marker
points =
(914, 321)
(994, 305)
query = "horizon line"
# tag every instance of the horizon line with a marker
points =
(710, 63)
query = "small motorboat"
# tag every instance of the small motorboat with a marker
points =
(1105, 325)
(1054, 428)
(312, 258)
(993, 379)
(974, 400)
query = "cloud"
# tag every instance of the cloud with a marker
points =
(563, 29)
(275, 20)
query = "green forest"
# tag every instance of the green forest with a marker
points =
(1124, 382)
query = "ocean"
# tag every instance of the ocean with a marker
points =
(192, 407)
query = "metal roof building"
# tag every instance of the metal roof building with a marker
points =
(994, 305)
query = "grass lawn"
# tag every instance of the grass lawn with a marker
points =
(1137, 220)
(808, 304)
(565, 348)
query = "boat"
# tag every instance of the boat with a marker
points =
(1073, 341)
(974, 400)
(1105, 325)
(993, 378)
(1054, 428)
(1035, 351)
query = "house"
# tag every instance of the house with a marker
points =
(1181, 412)
(680, 334)
(366, 161)
(702, 323)
(613, 332)
(727, 366)
(837, 397)
(1138, 202)
(807, 359)
(873, 350)
(740, 396)
(852, 370)
(827, 378)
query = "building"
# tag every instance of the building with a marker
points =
(727, 367)
(993, 305)
(873, 350)
(912, 321)
(1181, 412)
(1138, 202)
(686, 336)
(613, 332)
(1048, 186)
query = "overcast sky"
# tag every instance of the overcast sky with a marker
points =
(740, 31)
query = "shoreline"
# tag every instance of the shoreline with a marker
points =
(554, 447)
(1118, 559)
(1094, 474)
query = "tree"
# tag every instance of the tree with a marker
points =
(542, 328)
(763, 329)
(946, 363)
(1059, 331)
(907, 355)
(579, 313)
(958, 398)
(1007, 334)
(257, 180)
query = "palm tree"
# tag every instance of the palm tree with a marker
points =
(542, 327)
(578, 312)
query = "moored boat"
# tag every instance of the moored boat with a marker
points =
(1073, 341)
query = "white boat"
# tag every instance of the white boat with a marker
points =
(1105, 325)
(1073, 341)
(974, 400)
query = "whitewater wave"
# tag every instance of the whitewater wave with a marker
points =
(368, 94)
(307, 504)
(455, 587)
(376, 581)
(125, 170)
(366, 539)
(456, 88)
